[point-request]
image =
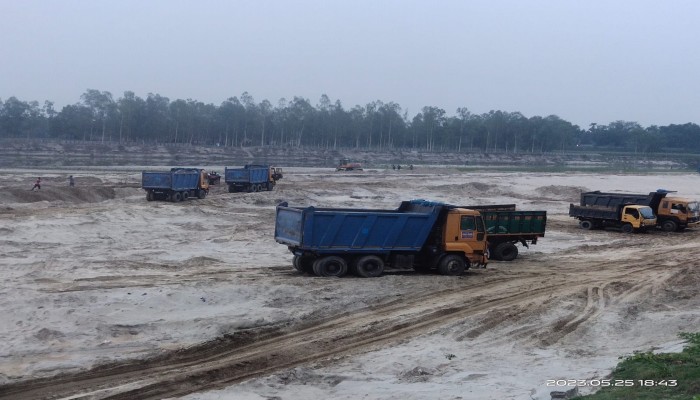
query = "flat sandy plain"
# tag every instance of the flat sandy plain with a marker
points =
(106, 295)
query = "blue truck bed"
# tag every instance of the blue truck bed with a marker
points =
(256, 174)
(356, 230)
(177, 180)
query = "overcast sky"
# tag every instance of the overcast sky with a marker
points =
(585, 61)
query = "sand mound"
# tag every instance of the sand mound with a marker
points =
(92, 194)
(565, 193)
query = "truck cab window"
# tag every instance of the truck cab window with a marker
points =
(647, 213)
(633, 212)
(678, 207)
(467, 223)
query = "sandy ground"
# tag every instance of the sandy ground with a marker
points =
(198, 291)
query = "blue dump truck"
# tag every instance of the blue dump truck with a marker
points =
(419, 234)
(507, 227)
(175, 185)
(252, 178)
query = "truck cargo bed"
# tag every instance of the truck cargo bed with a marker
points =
(594, 212)
(355, 230)
(172, 180)
(515, 223)
(248, 174)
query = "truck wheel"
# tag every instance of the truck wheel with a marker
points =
(231, 189)
(452, 264)
(627, 228)
(585, 224)
(369, 267)
(185, 195)
(176, 197)
(201, 193)
(492, 255)
(304, 263)
(270, 186)
(330, 266)
(295, 263)
(150, 196)
(669, 226)
(506, 251)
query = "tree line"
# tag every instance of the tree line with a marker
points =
(241, 121)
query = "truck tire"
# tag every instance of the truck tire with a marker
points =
(201, 193)
(627, 228)
(330, 266)
(304, 263)
(150, 196)
(270, 186)
(585, 224)
(185, 195)
(231, 189)
(506, 251)
(175, 197)
(452, 264)
(669, 226)
(369, 267)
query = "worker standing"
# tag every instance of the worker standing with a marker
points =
(37, 184)
(71, 181)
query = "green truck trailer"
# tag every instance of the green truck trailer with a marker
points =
(506, 227)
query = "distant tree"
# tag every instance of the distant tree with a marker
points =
(240, 121)
(101, 104)
(73, 122)
(685, 136)
(131, 110)
(156, 119)
(14, 117)
(433, 120)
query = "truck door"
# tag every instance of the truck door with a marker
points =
(471, 227)
(465, 233)
(203, 179)
(631, 215)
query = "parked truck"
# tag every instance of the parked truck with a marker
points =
(252, 178)
(175, 185)
(626, 217)
(507, 227)
(347, 165)
(672, 213)
(419, 234)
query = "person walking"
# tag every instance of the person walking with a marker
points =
(37, 184)
(71, 181)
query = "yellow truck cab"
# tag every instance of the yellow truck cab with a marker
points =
(464, 233)
(676, 212)
(203, 180)
(637, 218)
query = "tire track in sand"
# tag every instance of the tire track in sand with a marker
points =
(222, 363)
